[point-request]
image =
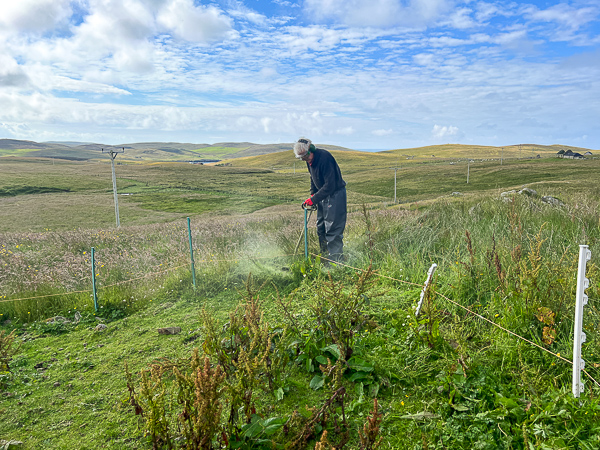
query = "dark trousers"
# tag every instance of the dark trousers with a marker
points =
(331, 222)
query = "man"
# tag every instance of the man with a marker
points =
(328, 193)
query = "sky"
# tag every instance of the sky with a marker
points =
(363, 74)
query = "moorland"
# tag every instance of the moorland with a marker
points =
(278, 351)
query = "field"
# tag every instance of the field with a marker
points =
(295, 350)
(68, 195)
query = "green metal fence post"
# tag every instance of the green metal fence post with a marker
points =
(94, 281)
(192, 253)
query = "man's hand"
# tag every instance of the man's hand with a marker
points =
(307, 202)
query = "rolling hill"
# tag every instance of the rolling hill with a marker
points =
(142, 151)
(280, 153)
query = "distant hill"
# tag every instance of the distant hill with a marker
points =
(67, 143)
(14, 144)
(177, 151)
(142, 151)
(482, 151)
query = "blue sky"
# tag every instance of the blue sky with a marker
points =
(364, 74)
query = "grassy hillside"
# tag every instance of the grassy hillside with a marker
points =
(524, 151)
(176, 151)
(37, 194)
(139, 152)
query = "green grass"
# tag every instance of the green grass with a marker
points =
(196, 203)
(16, 152)
(217, 152)
(481, 387)
(39, 194)
(446, 378)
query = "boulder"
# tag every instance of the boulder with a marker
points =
(529, 192)
(100, 327)
(552, 200)
(506, 196)
(58, 319)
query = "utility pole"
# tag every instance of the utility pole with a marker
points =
(501, 155)
(520, 148)
(113, 154)
(468, 170)
(395, 184)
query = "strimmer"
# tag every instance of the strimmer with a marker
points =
(304, 232)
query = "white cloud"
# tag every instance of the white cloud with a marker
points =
(424, 59)
(286, 3)
(266, 121)
(192, 23)
(378, 13)
(460, 19)
(320, 38)
(563, 14)
(33, 15)
(382, 132)
(121, 34)
(11, 74)
(60, 83)
(446, 41)
(241, 12)
(440, 132)
(347, 131)
(485, 11)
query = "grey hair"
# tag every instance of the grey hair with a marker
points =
(302, 147)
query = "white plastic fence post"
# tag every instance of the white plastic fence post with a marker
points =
(429, 277)
(578, 335)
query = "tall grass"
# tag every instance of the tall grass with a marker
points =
(485, 247)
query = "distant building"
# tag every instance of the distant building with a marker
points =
(560, 154)
(587, 154)
(573, 155)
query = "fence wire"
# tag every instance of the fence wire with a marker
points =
(212, 260)
(236, 260)
(469, 311)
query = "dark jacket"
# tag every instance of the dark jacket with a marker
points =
(325, 175)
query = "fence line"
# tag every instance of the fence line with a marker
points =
(471, 312)
(139, 278)
(331, 261)
(44, 296)
(142, 277)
